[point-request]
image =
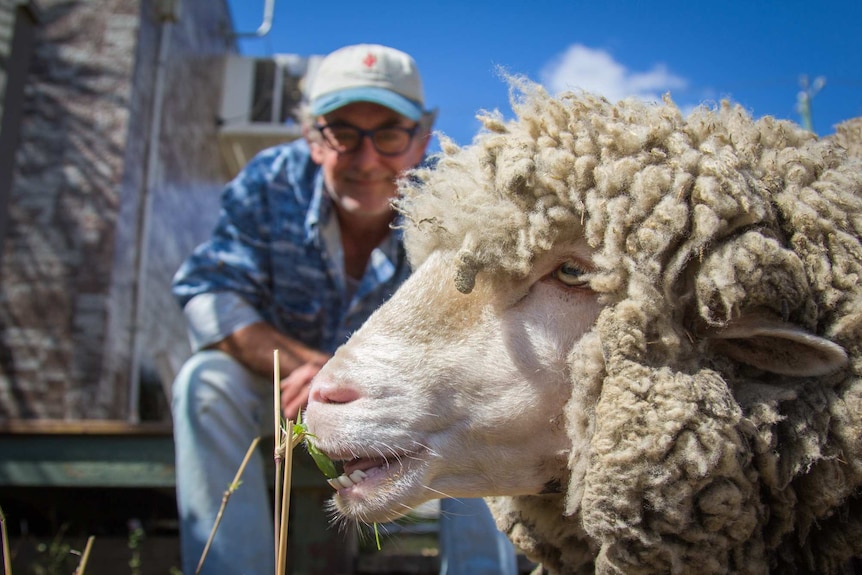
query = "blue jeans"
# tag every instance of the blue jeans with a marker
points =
(219, 407)
(470, 543)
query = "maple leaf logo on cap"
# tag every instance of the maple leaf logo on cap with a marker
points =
(369, 60)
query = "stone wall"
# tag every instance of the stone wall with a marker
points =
(115, 181)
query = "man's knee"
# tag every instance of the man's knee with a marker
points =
(206, 374)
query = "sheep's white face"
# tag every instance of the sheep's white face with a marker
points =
(446, 394)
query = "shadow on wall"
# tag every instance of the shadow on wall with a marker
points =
(57, 258)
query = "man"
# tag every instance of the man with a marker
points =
(302, 254)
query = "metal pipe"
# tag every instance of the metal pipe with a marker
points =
(265, 26)
(145, 203)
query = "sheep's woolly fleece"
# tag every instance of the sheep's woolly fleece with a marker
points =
(695, 463)
(848, 135)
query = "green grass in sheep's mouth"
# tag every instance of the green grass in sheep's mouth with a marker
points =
(323, 462)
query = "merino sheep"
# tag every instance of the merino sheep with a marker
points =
(638, 333)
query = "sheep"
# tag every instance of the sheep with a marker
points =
(638, 334)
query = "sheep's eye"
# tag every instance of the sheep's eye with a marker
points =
(571, 274)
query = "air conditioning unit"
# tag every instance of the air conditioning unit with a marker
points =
(260, 104)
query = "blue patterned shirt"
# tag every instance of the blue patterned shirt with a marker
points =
(275, 256)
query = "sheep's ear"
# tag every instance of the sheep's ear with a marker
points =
(778, 347)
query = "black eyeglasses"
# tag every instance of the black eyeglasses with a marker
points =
(344, 138)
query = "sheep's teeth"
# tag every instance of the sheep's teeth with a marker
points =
(343, 481)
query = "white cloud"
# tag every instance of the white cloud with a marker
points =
(581, 67)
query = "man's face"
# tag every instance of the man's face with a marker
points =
(363, 181)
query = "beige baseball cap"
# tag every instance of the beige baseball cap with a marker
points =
(367, 73)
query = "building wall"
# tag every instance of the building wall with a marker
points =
(7, 28)
(109, 193)
(18, 21)
(172, 199)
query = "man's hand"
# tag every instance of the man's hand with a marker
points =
(294, 388)
(253, 346)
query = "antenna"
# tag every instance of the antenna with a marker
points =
(803, 99)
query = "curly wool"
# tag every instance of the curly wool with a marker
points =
(694, 461)
(848, 135)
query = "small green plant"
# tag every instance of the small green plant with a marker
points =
(136, 538)
(58, 553)
(55, 557)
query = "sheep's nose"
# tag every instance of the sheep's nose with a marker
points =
(324, 391)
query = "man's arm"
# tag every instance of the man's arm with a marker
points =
(253, 346)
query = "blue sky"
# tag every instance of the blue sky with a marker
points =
(749, 51)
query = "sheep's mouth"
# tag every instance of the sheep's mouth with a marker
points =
(373, 488)
(357, 470)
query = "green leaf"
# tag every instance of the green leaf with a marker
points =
(321, 460)
(324, 464)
